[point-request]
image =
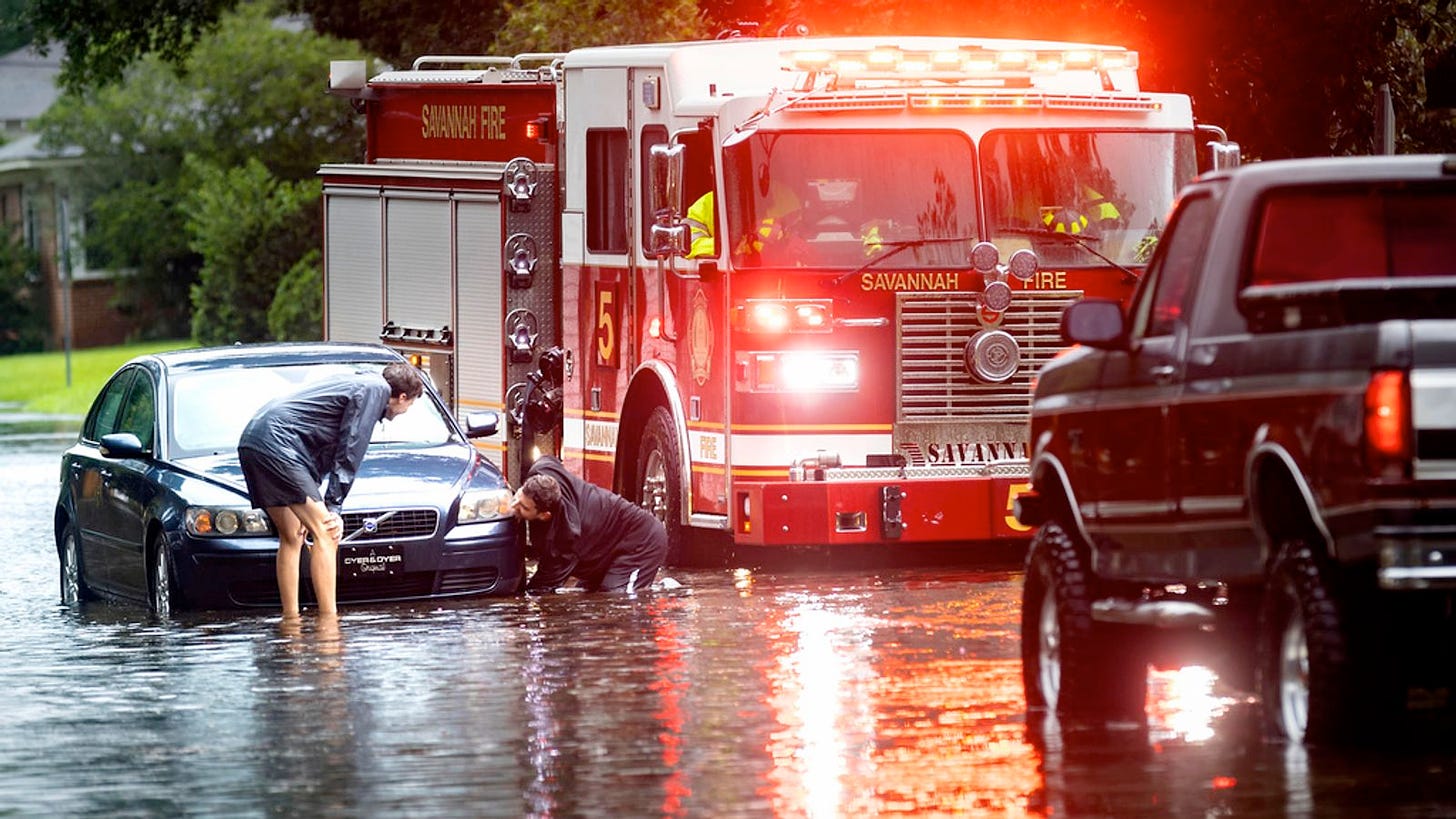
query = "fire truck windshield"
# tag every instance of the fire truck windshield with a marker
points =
(817, 199)
(1108, 189)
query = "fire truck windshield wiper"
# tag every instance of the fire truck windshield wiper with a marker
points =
(894, 249)
(1071, 239)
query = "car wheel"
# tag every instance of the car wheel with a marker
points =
(164, 597)
(73, 586)
(1305, 676)
(1070, 664)
(658, 463)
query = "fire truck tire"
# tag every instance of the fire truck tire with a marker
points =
(658, 478)
(1070, 664)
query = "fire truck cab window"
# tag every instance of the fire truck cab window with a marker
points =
(836, 199)
(606, 190)
(1050, 190)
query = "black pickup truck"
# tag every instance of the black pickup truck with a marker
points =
(1255, 460)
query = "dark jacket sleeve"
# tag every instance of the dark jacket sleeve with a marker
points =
(365, 408)
(558, 556)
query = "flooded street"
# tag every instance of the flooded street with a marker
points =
(756, 693)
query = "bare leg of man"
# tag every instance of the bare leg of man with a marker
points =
(326, 529)
(290, 543)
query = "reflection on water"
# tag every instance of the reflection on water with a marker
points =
(743, 694)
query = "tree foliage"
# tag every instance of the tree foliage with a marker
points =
(298, 305)
(250, 92)
(250, 228)
(105, 37)
(23, 318)
(538, 25)
(398, 32)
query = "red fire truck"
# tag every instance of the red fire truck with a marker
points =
(791, 290)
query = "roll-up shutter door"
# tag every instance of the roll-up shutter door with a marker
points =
(417, 255)
(353, 311)
(478, 338)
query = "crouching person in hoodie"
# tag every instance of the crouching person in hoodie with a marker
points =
(581, 530)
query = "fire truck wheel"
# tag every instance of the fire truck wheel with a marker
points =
(1070, 664)
(658, 479)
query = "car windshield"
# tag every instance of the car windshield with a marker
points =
(819, 199)
(1110, 189)
(211, 407)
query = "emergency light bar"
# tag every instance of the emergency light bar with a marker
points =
(962, 65)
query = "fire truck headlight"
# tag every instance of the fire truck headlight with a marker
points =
(992, 356)
(798, 371)
(771, 316)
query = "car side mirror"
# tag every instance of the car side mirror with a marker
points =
(1095, 323)
(481, 424)
(122, 445)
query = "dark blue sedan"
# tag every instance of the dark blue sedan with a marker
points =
(153, 507)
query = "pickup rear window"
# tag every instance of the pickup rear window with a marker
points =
(1322, 234)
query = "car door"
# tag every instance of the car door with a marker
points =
(128, 490)
(1137, 507)
(88, 473)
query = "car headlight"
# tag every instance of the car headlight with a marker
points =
(485, 504)
(227, 521)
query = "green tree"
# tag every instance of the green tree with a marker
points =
(251, 91)
(545, 25)
(398, 32)
(105, 37)
(250, 228)
(23, 319)
(298, 306)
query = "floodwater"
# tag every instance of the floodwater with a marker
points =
(751, 693)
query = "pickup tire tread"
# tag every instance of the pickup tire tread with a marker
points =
(1099, 677)
(1298, 586)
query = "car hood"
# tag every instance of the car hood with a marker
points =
(391, 477)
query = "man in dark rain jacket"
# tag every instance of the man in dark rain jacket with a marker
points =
(581, 530)
(298, 440)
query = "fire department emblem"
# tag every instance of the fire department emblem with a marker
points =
(700, 339)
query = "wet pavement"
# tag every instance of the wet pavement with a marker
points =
(812, 693)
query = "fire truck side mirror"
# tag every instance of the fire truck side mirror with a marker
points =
(669, 234)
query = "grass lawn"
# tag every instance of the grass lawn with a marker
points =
(36, 382)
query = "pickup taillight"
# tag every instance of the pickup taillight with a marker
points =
(1388, 437)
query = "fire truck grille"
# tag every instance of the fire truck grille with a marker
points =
(934, 329)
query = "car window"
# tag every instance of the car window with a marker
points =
(210, 408)
(139, 412)
(1173, 269)
(106, 410)
(1316, 234)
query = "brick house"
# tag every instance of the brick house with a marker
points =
(36, 189)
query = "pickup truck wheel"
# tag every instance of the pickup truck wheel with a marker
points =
(1305, 676)
(1068, 663)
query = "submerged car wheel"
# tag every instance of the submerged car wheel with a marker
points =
(1305, 676)
(1069, 664)
(163, 599)
(658, 462)
(73, 586)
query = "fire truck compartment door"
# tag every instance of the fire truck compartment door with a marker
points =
(419, 291)
(353, 253)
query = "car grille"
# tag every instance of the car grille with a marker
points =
(465, 581)
(404, 524)
(934, 328)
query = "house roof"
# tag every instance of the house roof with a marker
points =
(28, 82)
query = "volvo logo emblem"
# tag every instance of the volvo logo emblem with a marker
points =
(371, 525)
